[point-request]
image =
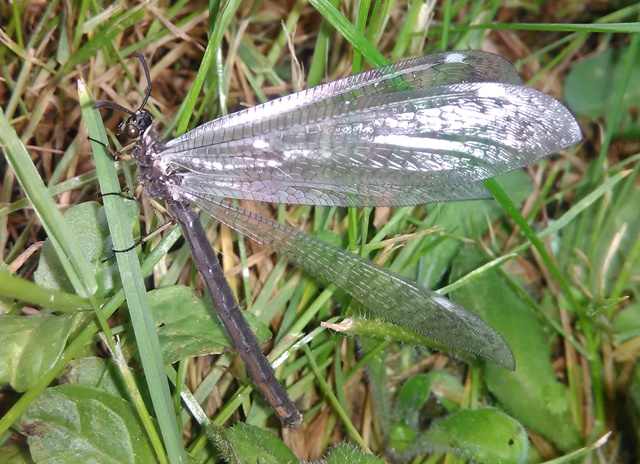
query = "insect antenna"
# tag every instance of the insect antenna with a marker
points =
(115, 106)
(146, 74)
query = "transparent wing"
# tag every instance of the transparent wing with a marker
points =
(389, 149)
(426, 71)
(389, 296)
(244, 171)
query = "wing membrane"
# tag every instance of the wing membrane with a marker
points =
(422, 72)
(389, 149)
(388, 295)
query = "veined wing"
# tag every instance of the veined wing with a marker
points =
(389, 149)
(425, 71)
(388, 295)
(217, 144)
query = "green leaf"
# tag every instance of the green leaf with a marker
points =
(588, 90)
(531, 393)
(401, 436)
(30, 347)
(484, 435)
(75, 424)
(626, 323)
(412, 396)
(351, 454)
(88, 225)
(188, 326)
(245, 443)
(99, 373)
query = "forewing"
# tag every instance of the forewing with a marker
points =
(422, 72)
(388, 295)
(389, 149)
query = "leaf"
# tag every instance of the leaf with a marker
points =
(245, 443)
(626, 323)
(588, 89)
(30, 347)
(78, 424)
(103, 374)
(484, 435)
(88, 224)
(187, 325)
(411, 397)
(531, 393)
(348, 453)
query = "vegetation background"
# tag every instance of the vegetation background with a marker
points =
(567, 305)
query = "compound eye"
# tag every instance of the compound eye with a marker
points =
(131, 131)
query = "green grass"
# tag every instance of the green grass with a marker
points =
(556, 275)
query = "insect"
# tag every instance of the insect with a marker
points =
(422, 130)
